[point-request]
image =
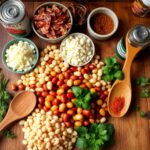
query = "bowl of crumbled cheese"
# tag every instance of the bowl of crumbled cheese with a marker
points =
(20, 56)
(77, 49)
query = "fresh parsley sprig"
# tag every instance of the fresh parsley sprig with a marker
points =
(83, 97)
(95, 137)
(112, 70)
(4, 102)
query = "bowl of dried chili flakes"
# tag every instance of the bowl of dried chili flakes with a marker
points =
(52, 22)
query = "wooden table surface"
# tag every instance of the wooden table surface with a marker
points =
(132, 131)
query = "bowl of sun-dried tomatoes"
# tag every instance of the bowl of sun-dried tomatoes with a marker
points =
(52, 22)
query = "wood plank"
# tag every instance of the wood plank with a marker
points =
(132, 131)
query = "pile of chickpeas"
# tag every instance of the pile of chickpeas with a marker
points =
(44, 131)
(52, 81)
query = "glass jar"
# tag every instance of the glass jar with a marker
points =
(140, 7)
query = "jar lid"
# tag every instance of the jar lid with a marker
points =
(141, 34)
(12, 11)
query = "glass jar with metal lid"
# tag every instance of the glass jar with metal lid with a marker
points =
(14, 18)
(138, 36)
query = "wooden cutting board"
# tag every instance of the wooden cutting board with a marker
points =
(132, 131)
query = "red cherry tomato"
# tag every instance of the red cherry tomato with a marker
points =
(56, 102)
(56, 112)
(73, 77)
(65, 117)
(65, 87)
(70, 112)
(67, 75)
(45, 87)
(91, 66)
(64, 98)
(86, 123)
(81, 78)
(53, 93)
(68, 124)
(40, 106)
(86, 113)
(50, 60)
(41, 100)
(55, 80)
(33, 86)
(44, 93)
(60, 82)
(38, 93)
(45, 109)
(70, 95)
(21, 86)
(73, 69)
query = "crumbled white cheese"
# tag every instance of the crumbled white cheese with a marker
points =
(20, 56)
(77, 50)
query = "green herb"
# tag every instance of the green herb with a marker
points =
(144, 84)
(137, 108)
(95, 137)
(83, 97)
(142, 114)
(112, 70)
(9, 134)
(4, 102)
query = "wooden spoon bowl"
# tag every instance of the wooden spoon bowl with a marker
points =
(123, 88)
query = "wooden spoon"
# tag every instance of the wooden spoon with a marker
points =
(21, 106)
(123, 87)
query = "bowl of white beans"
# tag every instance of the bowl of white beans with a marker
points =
(77, 49)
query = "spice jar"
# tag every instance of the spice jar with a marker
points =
(140, 7)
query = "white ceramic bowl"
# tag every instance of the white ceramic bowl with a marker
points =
(74, 35)
(108, 12)
(53, 40)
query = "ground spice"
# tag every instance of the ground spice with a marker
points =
(117, 104)
(102, 23)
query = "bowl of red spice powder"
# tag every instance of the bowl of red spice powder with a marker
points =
(102, 23)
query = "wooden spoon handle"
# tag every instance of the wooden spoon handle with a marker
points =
(131, 53)
(9, 118)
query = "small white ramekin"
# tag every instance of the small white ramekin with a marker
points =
(108, 12)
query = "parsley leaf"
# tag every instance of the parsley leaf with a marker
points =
(144, 93)
(142, 81)
(9, 134)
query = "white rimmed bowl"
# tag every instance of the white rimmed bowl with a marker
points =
(108, 12)
(74, 35)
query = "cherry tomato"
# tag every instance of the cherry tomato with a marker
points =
(55, 87)
(65, 87)
(85, 123)
(87, 69)
(65, 117)
(91, 66)
(45, 87)
(81, 78)
(70, 112)
(56, 102)
(60, 82)
(53, 93)
(73, 69)
(40, 106)
(56, 112)
(38, 93)
(67, 75)
(45, 109)
(86, 112)
(55, 80)
(44, 93)
(70, 95)
(61, 76)
(103, 96)
(21, 86)
(41, 100)
(73, 77)
(68, 124)
(50, 60)
(64, 98)
(14, 87)
(83, 71)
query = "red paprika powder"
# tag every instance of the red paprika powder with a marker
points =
(117, 104)
(102, 23)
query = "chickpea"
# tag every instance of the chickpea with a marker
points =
(78, 117)
(69, 105)
(79, 110)
(70, 82)
(78, 123)
(62, 107)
